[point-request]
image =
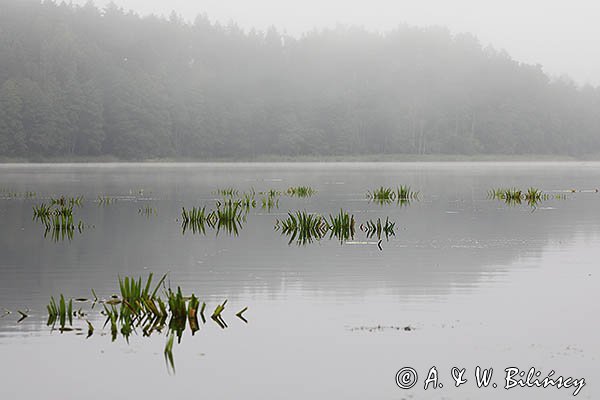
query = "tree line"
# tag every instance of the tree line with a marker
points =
(84, 81)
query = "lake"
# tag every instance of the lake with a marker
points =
(466, 281)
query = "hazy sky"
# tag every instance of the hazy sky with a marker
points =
(562, 35)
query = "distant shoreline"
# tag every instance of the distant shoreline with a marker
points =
(291, 159)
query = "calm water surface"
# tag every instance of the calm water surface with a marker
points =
(479, 282)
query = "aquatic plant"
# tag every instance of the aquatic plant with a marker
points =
(378, 228)
(302, 226)
(382, 194)
(228, 216)
(271, 193)
(106, 200)
(195, 219)
(228, 192)
(341, 225)
(386, 195)
(532, 196)
(66, 201)
(170, 361)
(147, 211)
(248, 201)
(140, 306)
(240, 314)
(42, 211)
(301, 191)
(61, 311)
(405, 193)
(268, 203)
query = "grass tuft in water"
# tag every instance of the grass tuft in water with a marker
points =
(61, 312)
(194, 219)
(302, 226)
(147, 211)
(228, 192)
(301, 191)
(341, 225)
(532, 196)
(386, 195)
(379, 228)
(67, 201)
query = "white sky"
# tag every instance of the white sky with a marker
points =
(562, 35)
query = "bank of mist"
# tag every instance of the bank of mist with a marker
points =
(83, 81)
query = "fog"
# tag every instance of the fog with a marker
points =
(560, 35)
(220, 83)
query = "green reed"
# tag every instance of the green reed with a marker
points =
(60, 311)
(378, 228)
(341, 225)
(268, 203)
(66, 201)
(194, 219)
(405, 193)
(228, 192)
(513, 196)
(106, 200)
(139, 307)
(302, 226)
(386, 195)
(301, 191)
(147, 211)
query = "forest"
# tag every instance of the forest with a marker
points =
(80, 81)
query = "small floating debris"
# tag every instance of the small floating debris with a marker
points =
(240, 314)
(23, 315)
(381, 328)
(147, 211)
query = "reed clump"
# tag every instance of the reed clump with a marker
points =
(302, 226)
(67, 201)
(228, 192)
(301, 191)
(386, 195)
(140, 307)
(513, 196)
(60, 311)
(378, 228)
(147, 211)
(341, 225)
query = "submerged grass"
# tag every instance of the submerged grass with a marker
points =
(140, 307)
(61, 312)
(67, 201)
(378, 228)
(147, 211)
(228, 192)
(341, 225)
(57, 218)
(301, 191)
(513, 196)
(302, 227)
(386, 195)
(228, 215)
